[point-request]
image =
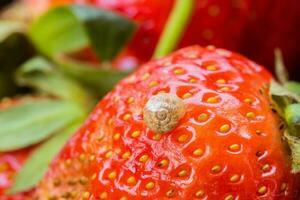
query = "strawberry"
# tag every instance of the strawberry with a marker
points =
(254, 28)
(194, 125)
(11, 163)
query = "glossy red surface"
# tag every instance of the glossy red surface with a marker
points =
(227, 146)
(254, 28)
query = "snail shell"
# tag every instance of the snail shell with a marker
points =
(163, 111)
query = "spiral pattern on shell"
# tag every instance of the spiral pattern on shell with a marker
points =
(162, 112)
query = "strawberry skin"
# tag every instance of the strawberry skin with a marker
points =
(227, 145)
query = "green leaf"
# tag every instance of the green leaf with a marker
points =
(42, 75)
(292, 117)
(14, 49)
(294, 144)
(33, 121)
(282, 97)
(70, 28)
(38, 162)
(175, 27)
(101, 79)
(293, 86)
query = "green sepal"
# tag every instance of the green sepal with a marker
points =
(292, 117)
(70, 28)
(294, 144)
(31, 122)
(94, 76)
(43, 76)
(38, 162)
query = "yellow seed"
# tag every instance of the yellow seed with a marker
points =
(117, 136)
(130, 100)
(265, 167)
(131, 180)
(103, 195)
(110, 121)
(94, 176)
(234, 147)
(262, 190)
(192, 80)
(182, 173)
(109, 154)
(178, 71)
(170, 193)
(224, 89)
(83, 180)
(145, 76)
(224, 128)
(92, 158)
(150, 185)
(3, 167)
(117, 98)
(212, 100)
(182, 138)
(156, 137)
(86, 195)
(126, 117)
(198, 152)
(73, 194)
(250, 115)
(153, 83)
(186, 95)
(283, 186)
(82, 157)
(68, 162)
(123, 198)
(163, 163)
(202, 117)
(126, 155)
(135, 134)
(234, 178)
(199, 193)
(228, 197)
(216, 169)
(221, 81)
(112, 175)
(144, 158)
(248, 100)
(211, 68)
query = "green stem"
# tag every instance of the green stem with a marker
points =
(175, 26)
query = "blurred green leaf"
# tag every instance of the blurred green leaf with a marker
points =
(70, 28)
(293, 86)
(38, 162)
(14, 50)
(41, 74)
(95, 76)
(33, 121)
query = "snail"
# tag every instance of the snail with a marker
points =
(162, 112)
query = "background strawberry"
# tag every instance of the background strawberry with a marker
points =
(227, 145)
(254, 28)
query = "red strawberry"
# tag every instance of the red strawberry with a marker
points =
(254, 28)
(218, 139)
(10, 164)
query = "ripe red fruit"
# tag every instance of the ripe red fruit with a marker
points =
(254, 28)
(226, 146)
(10, 164)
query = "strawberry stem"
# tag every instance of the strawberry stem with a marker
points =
(175, 26)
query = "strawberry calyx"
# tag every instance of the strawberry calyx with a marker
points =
(285, 97)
